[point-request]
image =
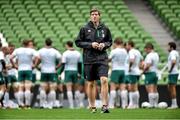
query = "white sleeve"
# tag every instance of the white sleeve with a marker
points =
(35, 53)
(131, 56)
(58, 55)
(80, 59)
(148, 60)
(64, 58)
(111, 54)
(14, 53)
(173, 56)
(1, 56)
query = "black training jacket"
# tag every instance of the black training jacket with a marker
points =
(89, 34)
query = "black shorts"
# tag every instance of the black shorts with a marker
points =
(95, 71)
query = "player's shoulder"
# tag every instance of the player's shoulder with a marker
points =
(174, 52)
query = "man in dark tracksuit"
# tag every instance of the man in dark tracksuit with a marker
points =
(95, 38)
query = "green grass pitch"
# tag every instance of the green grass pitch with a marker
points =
(84, 114)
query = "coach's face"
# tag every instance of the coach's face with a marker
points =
(95, 17)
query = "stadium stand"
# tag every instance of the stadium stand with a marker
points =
(61, 20)
(169, 12)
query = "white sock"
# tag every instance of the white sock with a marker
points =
(130, 99)
(77, 95)
(156, 99)
(27, 94)
(70, 99)
(124, 98)
(152, 98)
(174, 102)
(43, 97)
(61, 98)
(81, 99)
(1, 94)
(16, 96)
(135, 97)
(20, 97)
(52, 97)
(118, 98)
(6, 97)
(112, 98)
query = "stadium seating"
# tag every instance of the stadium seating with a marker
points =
(169, 11)
(61, 21)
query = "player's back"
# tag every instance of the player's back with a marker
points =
(71, 58)
(118, 56)
(154, 57)
(48, 58)
(24, 56)
(173, 55)
(137, 57)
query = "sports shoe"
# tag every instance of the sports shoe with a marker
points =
(93, 109)
(173, 107)
(104, 109)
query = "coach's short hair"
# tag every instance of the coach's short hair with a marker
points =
(131, 43)
(48, 42)
(95, 10)
(69, 43)
(118, 41)
(149, 45)
(172, 45)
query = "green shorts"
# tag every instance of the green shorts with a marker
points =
(172, 78)
(71, 76)
(12, 79)
(81, 81)
(127, 79)
(98, 82)
(33, 78)
(118, 76)
(48, 77)
(133, 79)
(151, 78)
(59, 81)
(24, 75)
(2, 80)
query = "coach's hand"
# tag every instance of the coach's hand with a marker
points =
(95, 45)
(101, 46)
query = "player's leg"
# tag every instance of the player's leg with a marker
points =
(133, 91)
(123, 90)
(70, 94)
(43, 90)
(20, 93)
(76, 88)
(52, 94)
(2, 88)
(60, 91)
(124, 96)
(112, 95)
(172, 90)
(61, 94)
(28, 85)
(6, 95)
(69, 85)
(151, 87)
(81, 89)
(113, 86)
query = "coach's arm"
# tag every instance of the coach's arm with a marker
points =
(80, 41)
